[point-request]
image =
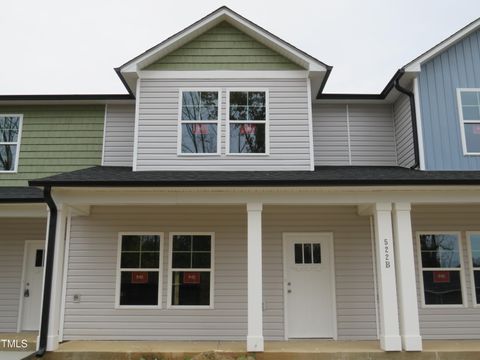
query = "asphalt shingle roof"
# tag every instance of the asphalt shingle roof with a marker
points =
(20, 194)
(113, 176)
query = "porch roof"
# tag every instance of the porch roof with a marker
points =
(20, 194)
(115, 176)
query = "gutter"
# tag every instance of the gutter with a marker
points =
(47, 290)
(413, 111)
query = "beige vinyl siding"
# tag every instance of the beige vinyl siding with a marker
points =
(93, 258)
(369, 127)
(13, 233)
(288, 126)
(119, 135)
(402, 116)
(223, 47)
(372, 138)
(448, 323)
(330, 135)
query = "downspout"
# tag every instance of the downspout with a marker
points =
(47, 290)
(411, 97)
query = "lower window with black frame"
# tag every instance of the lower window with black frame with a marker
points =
(140, 270)
(191, 258)
(441, 268)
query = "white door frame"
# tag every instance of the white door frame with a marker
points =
(22, 281)
(332, 279)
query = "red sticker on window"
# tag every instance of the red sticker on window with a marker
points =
(476, 129)
(139, 277)
(248, 129)
(200, 129)
(191, 278)
(441, 277)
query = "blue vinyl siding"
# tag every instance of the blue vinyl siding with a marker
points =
(457, 67)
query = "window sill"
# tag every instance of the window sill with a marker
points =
(190, 307)
(199, 155)
(248, 154)
(445, 306)
(138, 307)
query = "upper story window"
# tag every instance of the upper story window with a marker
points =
(199, 122)
(10, 133)
(441, 268)
(469, 109)
(247, 122)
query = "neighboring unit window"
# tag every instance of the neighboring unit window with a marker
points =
(441, 269)
(199, 122)
(191, 270)
(140, 273)
(9, 142)
(475, 254)
(470, 117)
(247, 122)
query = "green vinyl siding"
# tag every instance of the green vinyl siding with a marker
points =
(55, 139)
(223, 47)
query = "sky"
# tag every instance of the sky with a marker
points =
(71, 47)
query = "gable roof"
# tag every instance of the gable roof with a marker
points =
(128, 71)
(415, 64)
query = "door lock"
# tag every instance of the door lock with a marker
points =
(289, 291)
(26, 293)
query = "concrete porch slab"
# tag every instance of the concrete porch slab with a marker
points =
(274, 350)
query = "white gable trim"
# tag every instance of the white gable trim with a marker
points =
(223, 14)
(415, 65)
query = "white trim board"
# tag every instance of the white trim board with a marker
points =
(208, 22)
(223, 74)
(472, 269)
(415, 65)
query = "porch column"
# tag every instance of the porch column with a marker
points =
(406, 282)
(255, 311)
(57, 279)
(387, 292)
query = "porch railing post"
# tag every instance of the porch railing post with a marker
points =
(255, 311)
(387, 292)
(406, 282)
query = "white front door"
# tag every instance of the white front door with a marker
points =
(309, 285)
(32, 285)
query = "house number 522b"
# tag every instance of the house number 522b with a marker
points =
(386, 253)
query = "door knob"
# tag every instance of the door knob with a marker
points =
(26, 293)
(289, 283)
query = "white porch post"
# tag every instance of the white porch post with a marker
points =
(406, 283)
(255, 311)
(57, 280)
(387, 292)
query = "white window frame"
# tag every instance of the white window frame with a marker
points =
(211, 269)
(266, 122)
(119, 271)
(472, 268)
(180, 121)
(461, 270)
(463, 122)
(17, 143)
